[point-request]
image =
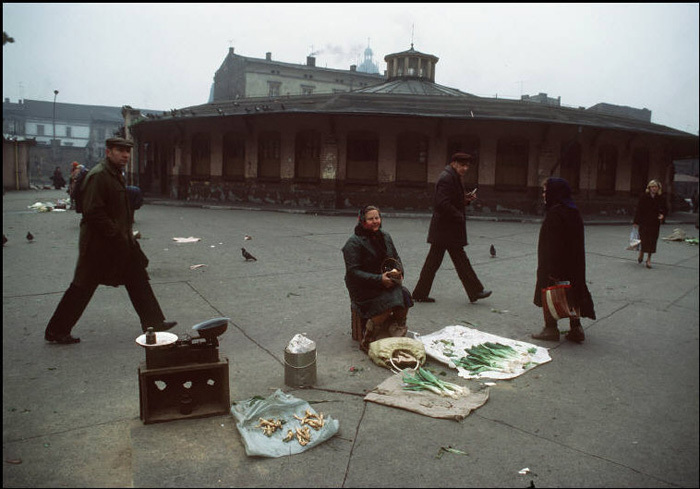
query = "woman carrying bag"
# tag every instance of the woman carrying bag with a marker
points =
(561, 258)
(651, 211)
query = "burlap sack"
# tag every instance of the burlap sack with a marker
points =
(402, 352)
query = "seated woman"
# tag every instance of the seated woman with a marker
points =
(373, 276)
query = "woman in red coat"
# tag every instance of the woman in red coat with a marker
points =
(651, 212)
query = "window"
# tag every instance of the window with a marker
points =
(269, 155)
(362, 156)
(570, 169)
(40, 130)
(640, 171)
(200, 155)
(307, 89)
(307, 155)
(465, 144)
(511, 164)
(411, 158)
(273, 88)
(69, 132)
(607, 167)
(234, 156)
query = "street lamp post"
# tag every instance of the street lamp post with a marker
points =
(53, 140)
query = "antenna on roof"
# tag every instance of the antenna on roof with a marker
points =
(413, 27)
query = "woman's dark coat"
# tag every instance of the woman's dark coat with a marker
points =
(108, 250)
(647, 218)
(561, 255)
(363, 276)
(448, 226)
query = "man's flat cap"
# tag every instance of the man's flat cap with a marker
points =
(119, 142)
(462, 157)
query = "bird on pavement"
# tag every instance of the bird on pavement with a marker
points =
(30, 236)
(493, 251)
(247, 255)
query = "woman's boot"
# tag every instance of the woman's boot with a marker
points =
(549, 333)
(575, 333)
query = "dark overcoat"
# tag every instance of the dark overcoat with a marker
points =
(363, 276)
(448, 226)
(561, 256)
(108, 251)
(647, 218)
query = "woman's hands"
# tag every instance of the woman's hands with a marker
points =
(391, 278)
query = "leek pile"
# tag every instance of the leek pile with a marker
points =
(488, 356)
(423, 379)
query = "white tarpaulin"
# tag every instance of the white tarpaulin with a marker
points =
(449, 343)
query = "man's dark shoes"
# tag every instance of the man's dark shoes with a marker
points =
(423, 299)
(481, 295)
(61, 340)
(166, 325)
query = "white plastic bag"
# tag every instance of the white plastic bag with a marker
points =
(635, 242)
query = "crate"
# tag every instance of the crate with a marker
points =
(358, 323)
(195, 390)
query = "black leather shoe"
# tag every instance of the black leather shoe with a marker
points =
(61, 340)
(423, 299)
(166, 325)
(481, 295)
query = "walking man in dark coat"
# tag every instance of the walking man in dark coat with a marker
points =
(448, 232)
(108, 252)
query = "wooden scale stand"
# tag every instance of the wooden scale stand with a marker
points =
(184, 378)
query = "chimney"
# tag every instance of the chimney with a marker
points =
(268, 56)
(353, 67)
(230, 50)
(310, 61)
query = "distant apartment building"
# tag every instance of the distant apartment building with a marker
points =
(244, 77)
(62, 133)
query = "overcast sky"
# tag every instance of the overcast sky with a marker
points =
(164, 56)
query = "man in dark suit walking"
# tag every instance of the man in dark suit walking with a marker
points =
(448, 232)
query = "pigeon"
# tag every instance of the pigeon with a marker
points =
(30, 236)
(4, 239)
(492, 251)
(247, 255)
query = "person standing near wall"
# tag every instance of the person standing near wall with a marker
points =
(448, 232)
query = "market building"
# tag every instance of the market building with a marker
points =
(386, 144)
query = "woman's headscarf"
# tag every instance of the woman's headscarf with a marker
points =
(376, 238)
(558, 192)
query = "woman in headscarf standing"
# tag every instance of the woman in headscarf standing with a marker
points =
(651, 211)
(373, 276)
(561, 257)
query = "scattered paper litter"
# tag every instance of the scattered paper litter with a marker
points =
(194, 267)
(191, 239)
(524, 471)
